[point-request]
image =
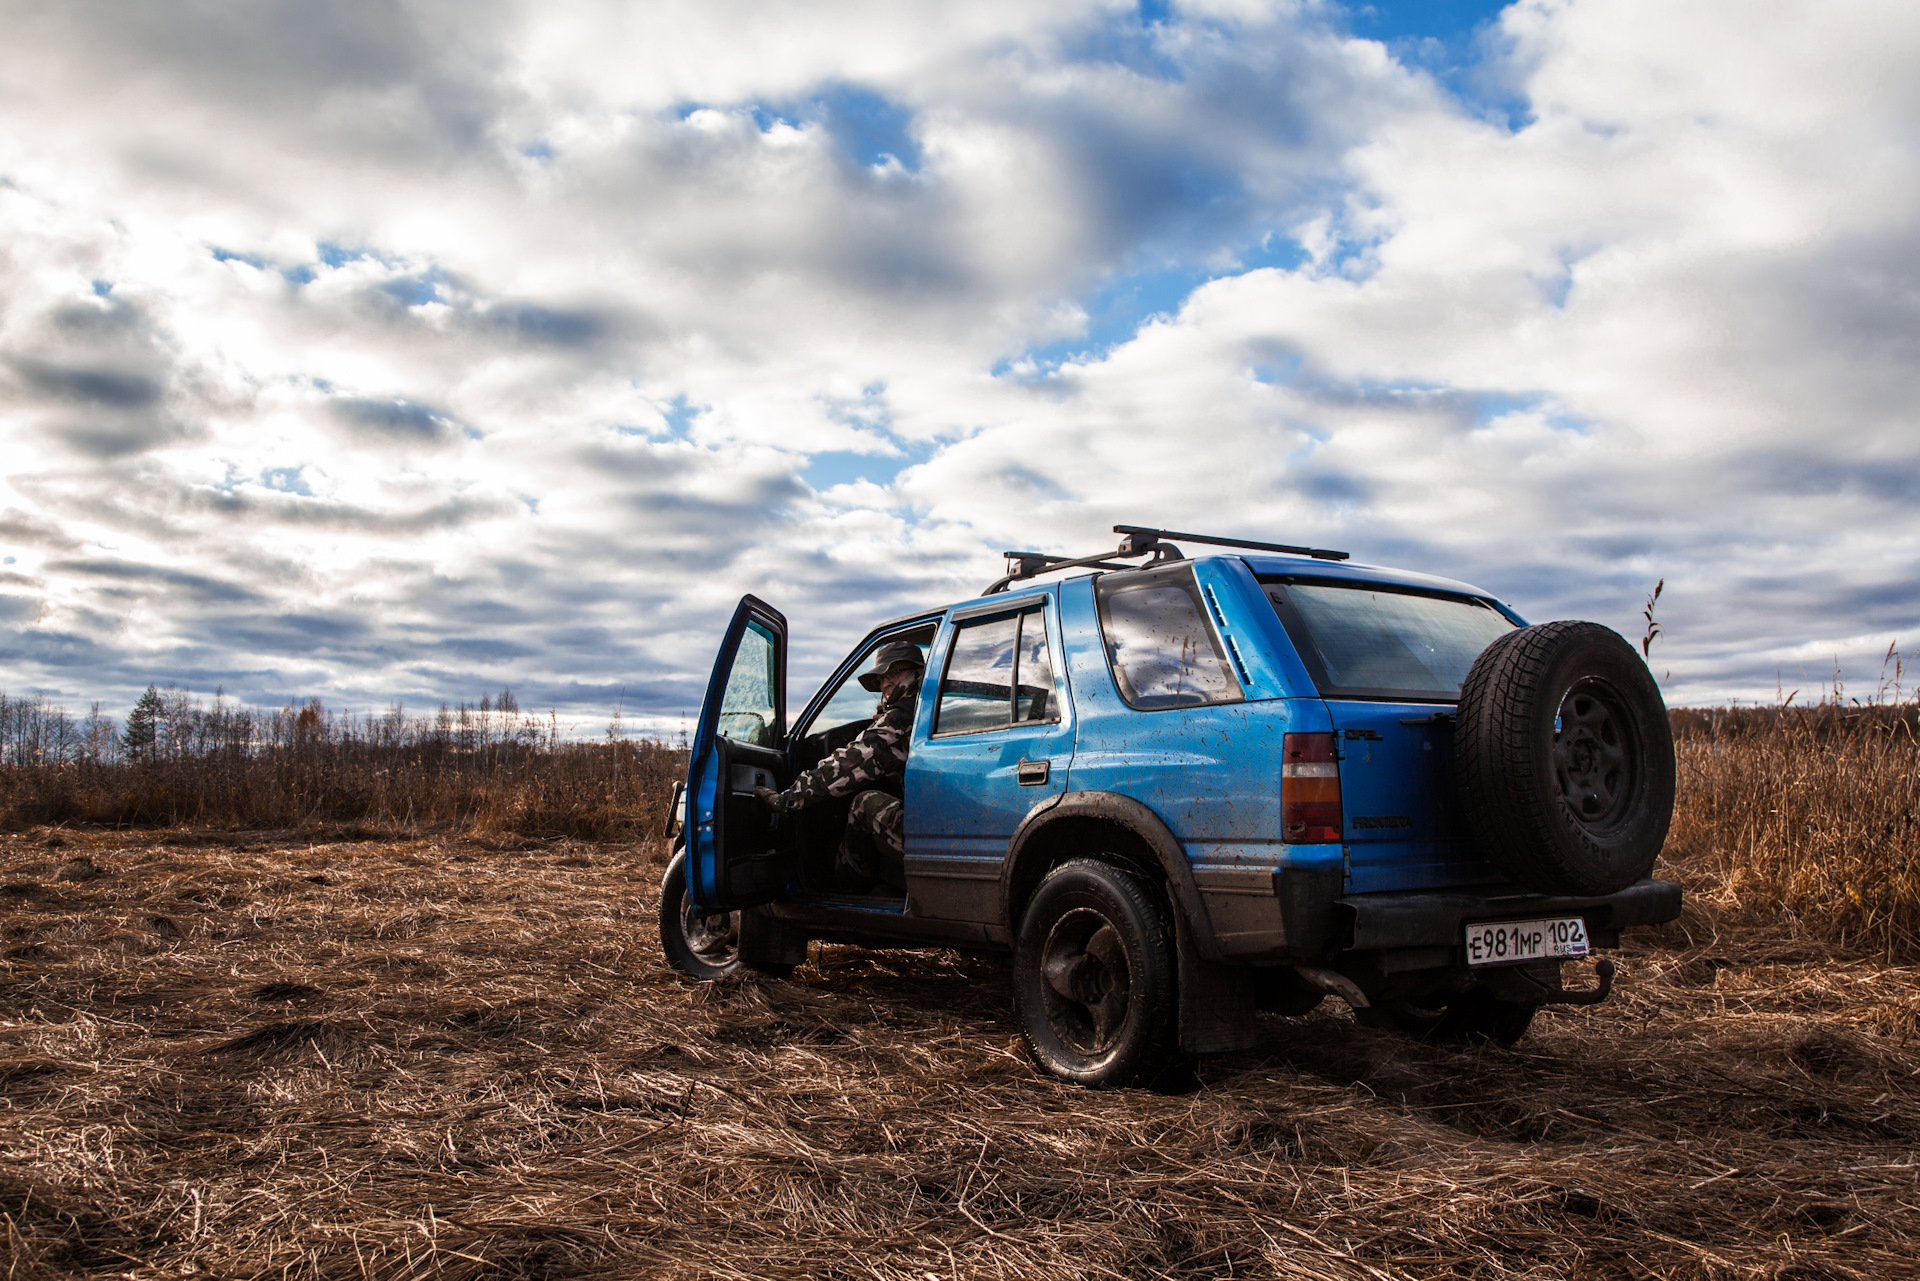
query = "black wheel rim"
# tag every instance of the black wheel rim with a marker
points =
(1084, 982)
(1594, 752)
(714, 937)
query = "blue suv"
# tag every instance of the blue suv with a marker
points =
(1181, 789)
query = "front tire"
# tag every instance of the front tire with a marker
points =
(702, 945)
(1094, 977)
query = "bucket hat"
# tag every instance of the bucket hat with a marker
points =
(887, 658)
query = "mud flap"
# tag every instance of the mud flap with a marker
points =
(767, 940)
(1216, 1001)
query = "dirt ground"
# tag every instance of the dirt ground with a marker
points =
(277, 1055)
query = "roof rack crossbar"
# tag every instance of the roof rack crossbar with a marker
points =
(1138, 541)
(1025, 565)
(1140, 538)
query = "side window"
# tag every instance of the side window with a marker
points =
(852, 701)
(1033, 680)
(747, 708)
(1159, 644)
(999, 671)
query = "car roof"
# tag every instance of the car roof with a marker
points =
(1306, 567)
(1264, 565)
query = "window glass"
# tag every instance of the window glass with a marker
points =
(852, 701)
(1033, 694)
(747, 708)
(1386, 644)
(977, 689)
(1161, 649)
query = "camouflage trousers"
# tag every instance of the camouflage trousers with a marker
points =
(882, 817)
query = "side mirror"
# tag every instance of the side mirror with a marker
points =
(676, 807)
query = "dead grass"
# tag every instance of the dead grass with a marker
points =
(338, 775)
(252, 1055)
(1805, 818)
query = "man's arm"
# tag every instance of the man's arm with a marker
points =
(877, 753)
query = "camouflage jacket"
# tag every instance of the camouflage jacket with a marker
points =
(878, 755)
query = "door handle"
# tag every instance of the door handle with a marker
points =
(1033, 773)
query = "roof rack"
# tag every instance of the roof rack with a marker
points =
(1141, 538)
(1138, 541)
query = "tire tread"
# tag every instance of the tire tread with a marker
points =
(1498, 766)
(1158, 1048)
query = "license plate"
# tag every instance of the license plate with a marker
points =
(1504, 942)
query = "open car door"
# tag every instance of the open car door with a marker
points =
(732, 855)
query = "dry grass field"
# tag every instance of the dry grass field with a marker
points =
(317, 1052)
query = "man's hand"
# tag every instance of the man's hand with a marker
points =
(769, 798)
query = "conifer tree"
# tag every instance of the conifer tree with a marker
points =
(142, 735)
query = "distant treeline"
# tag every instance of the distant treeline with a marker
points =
(484, 768)
(174, 723)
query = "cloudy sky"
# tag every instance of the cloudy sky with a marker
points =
(400, 351)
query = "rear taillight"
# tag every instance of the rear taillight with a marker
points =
(1309, 790)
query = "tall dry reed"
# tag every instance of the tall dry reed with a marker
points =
(1805, 817)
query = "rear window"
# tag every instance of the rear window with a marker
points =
(1360, 640)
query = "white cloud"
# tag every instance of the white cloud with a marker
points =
(402, 353)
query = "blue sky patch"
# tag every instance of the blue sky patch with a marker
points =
(680, 413)
(1498, 404)
(868, 127)
(1117, 310)
(415, 290)
(330, 253)
(1280, 370)
(1450, 40)
(1133, 40)
(229, 255)
(1391, 21)
(1557, 286)
(841, 467)
(288, 480)
(1116, 313)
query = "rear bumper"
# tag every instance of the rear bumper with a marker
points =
(1380, 922)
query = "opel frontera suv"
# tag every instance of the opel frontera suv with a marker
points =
(1182, 788)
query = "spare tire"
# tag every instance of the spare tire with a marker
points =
(1564, 758)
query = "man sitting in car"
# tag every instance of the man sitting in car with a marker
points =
(870, 769)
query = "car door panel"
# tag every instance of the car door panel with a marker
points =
(969, 788)
(733, 859)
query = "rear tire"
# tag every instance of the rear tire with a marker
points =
(1563, 755)
(1094, 978)
(702, 945)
